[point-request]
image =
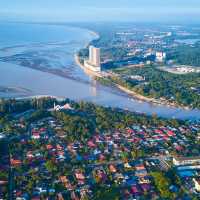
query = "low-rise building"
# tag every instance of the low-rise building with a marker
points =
(197, 184)
(177, 161)
(160, 56)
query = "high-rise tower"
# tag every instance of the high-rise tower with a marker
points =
(94, 62)
(94, 56)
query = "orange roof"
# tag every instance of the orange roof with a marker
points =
(112, 168)
(140, 167)
(15, 162)
(49, 146)
(80, 176)
(63, 179)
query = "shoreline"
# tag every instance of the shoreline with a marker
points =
(101, 75)
(130, 92)
(95, 34)
(140, 97)
(86, 70)
(151, 100)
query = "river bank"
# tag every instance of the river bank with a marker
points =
(140, 97)
(51, 84)
(133, 94)
(86, 70)
(150, 100)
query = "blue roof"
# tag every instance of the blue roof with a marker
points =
(132, 181)
(186, 173)
(79, 158)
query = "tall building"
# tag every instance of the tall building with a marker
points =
(94, 57)
(94, 62)
(91, 54)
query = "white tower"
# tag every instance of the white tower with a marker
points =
(94, 56)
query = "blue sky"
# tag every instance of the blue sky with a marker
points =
(100, 10)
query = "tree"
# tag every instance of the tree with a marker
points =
(162, 184)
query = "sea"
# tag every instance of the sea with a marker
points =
(38, 59)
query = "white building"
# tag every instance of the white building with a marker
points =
(138, 78)
(197, 184)
(160, 56)
(2, 136)
(35, 136)
(65, 107)
(94, 62)
(94, 56)
(177, 161)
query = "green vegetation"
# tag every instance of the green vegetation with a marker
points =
(68, 133)
(186, 55)
(107, 194)
(111, 45)
(81, 125)
(87, 117)
(160, 84)
(162, 184)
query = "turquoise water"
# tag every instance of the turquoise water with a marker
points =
(52, 48)
(12, 34)
(188, 41)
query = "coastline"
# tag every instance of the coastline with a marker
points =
(120, 88)
(151, 100)
(133, 94)
(140, 97)
(128, 91)
(86, 70)
(95, 34)
(66, 75)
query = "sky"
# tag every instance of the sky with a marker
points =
(100, 10)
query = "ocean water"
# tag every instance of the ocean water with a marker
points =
(188, 41)
(45, 47)
(50, 49)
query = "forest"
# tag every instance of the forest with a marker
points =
(181, 89)
(186, 55)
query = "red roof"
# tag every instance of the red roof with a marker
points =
(36, 134)
(179, 148)
(130, 131)
(165, 137)
(43, 129)
(91, 144)
(19, 193)
(49, 146)
(158, 131)
(170, 133)
(134, 190)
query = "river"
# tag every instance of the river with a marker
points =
(52, 48)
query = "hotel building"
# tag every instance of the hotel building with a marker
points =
(94, 62)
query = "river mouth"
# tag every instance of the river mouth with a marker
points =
(48, 68)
